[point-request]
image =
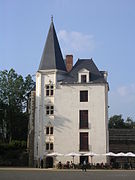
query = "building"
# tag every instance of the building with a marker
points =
(71, 107)
(122, 140)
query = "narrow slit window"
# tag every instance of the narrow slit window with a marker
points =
(51, 146)
(47, 130)
(47, 146)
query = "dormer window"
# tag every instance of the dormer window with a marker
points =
(83, 76)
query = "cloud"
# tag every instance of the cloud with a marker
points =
(76, 42)
(122, 91)
(126, 90)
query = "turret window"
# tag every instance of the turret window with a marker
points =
(49, 110)
(49, 130)
(49, 90)
(49, 146)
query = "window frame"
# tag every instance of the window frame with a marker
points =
(49, 146)
(50, 110)
(84, 97)
(49, 130)
(83, 80)
(49, 89)
(84, 141)
(83, 119)
(81, 72)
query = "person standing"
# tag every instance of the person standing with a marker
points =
(84, 166)
(41, 163)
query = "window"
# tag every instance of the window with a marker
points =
(49, 90)
(49, 110)
(83, 96)
(84, 141)
(49, 130)
(49, 146)
(83, 75)
(83, 117)
(83, 78)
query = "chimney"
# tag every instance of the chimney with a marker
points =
(104, 74)
(69, 62)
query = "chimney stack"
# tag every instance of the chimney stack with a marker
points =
(69, 62)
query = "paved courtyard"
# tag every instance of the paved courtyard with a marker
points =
(37, 174)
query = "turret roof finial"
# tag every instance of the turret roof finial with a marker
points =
(51, 18)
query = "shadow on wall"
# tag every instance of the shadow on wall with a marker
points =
(61, 122)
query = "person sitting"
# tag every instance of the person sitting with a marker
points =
(72, 165)
(59, 165)
(68, 164)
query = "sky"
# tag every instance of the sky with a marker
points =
(100, 29)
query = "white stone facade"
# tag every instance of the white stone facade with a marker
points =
(65, 120)
(71, 107)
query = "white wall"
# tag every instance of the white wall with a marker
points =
(67, 106)
(41, 119)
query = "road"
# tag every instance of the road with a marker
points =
(37, 174)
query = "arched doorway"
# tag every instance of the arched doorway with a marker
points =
(49, 162)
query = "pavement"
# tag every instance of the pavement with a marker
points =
(11, 173)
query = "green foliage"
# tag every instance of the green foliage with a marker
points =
(14, 144)
(129, 123)
(118, 122)
(14, 91)
(13, 154)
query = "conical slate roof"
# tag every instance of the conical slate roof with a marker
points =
(52, 56)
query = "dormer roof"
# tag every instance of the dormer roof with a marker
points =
(95, 75)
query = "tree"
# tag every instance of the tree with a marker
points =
(129, 123)
(116, 121)
(2, 121)
(13, 101)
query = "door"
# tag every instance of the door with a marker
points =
(82, 158)
(49, 162)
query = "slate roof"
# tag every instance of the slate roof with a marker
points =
(52, 56)
(95, 75)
